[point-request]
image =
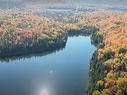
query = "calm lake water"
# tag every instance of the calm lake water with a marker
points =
(64, 72)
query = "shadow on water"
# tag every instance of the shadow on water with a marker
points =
(37, 54)
(40, 54)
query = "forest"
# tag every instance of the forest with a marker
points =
(23, 33)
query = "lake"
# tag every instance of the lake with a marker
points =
(64, 72)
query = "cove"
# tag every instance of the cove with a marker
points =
(64, 72)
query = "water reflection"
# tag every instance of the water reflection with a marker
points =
(39, 54)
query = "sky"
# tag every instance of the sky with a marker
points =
(97, 2)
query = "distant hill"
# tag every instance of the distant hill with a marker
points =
(96, 2)
(47, 1)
